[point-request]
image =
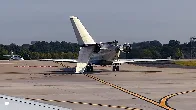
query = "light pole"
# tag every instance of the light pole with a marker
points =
(192, 39)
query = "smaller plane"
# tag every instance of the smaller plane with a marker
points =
(14, 57)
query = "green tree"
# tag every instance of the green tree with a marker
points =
(146, 53)
(178, 53)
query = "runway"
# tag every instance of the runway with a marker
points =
(134, 87)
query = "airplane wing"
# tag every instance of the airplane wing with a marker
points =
(66, 60)
(133, 60)
(138, 60)
(60, 60)
(14, 103)
(169, 59)
(83, 58)
(45, 59)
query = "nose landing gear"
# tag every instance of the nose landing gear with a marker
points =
(89, 68)
(115, 67)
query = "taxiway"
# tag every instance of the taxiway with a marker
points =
(157, 84)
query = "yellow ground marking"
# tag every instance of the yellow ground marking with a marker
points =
(159, 104)
(130, 92)
(84, 103)
(163, 101)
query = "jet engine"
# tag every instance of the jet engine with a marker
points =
(127, 48)
(117, 49)
(115, 42)
(97, 48)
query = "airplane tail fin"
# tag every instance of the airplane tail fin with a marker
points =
(81, 33)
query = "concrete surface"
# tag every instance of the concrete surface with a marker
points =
(48, 83)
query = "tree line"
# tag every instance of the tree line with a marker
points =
(42, 50)
(58, 50)
(154, 49)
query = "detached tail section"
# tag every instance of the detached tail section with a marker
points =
(81, 33)
(85, 41)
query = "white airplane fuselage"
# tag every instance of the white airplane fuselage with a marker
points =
(107, 54)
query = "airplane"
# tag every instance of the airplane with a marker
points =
(14, 57)
(93, 53)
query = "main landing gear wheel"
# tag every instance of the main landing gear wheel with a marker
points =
(89, 68)
(115, 68)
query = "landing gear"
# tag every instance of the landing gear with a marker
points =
(115, 68)
(89, 68)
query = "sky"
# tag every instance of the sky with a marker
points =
(23, 21)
